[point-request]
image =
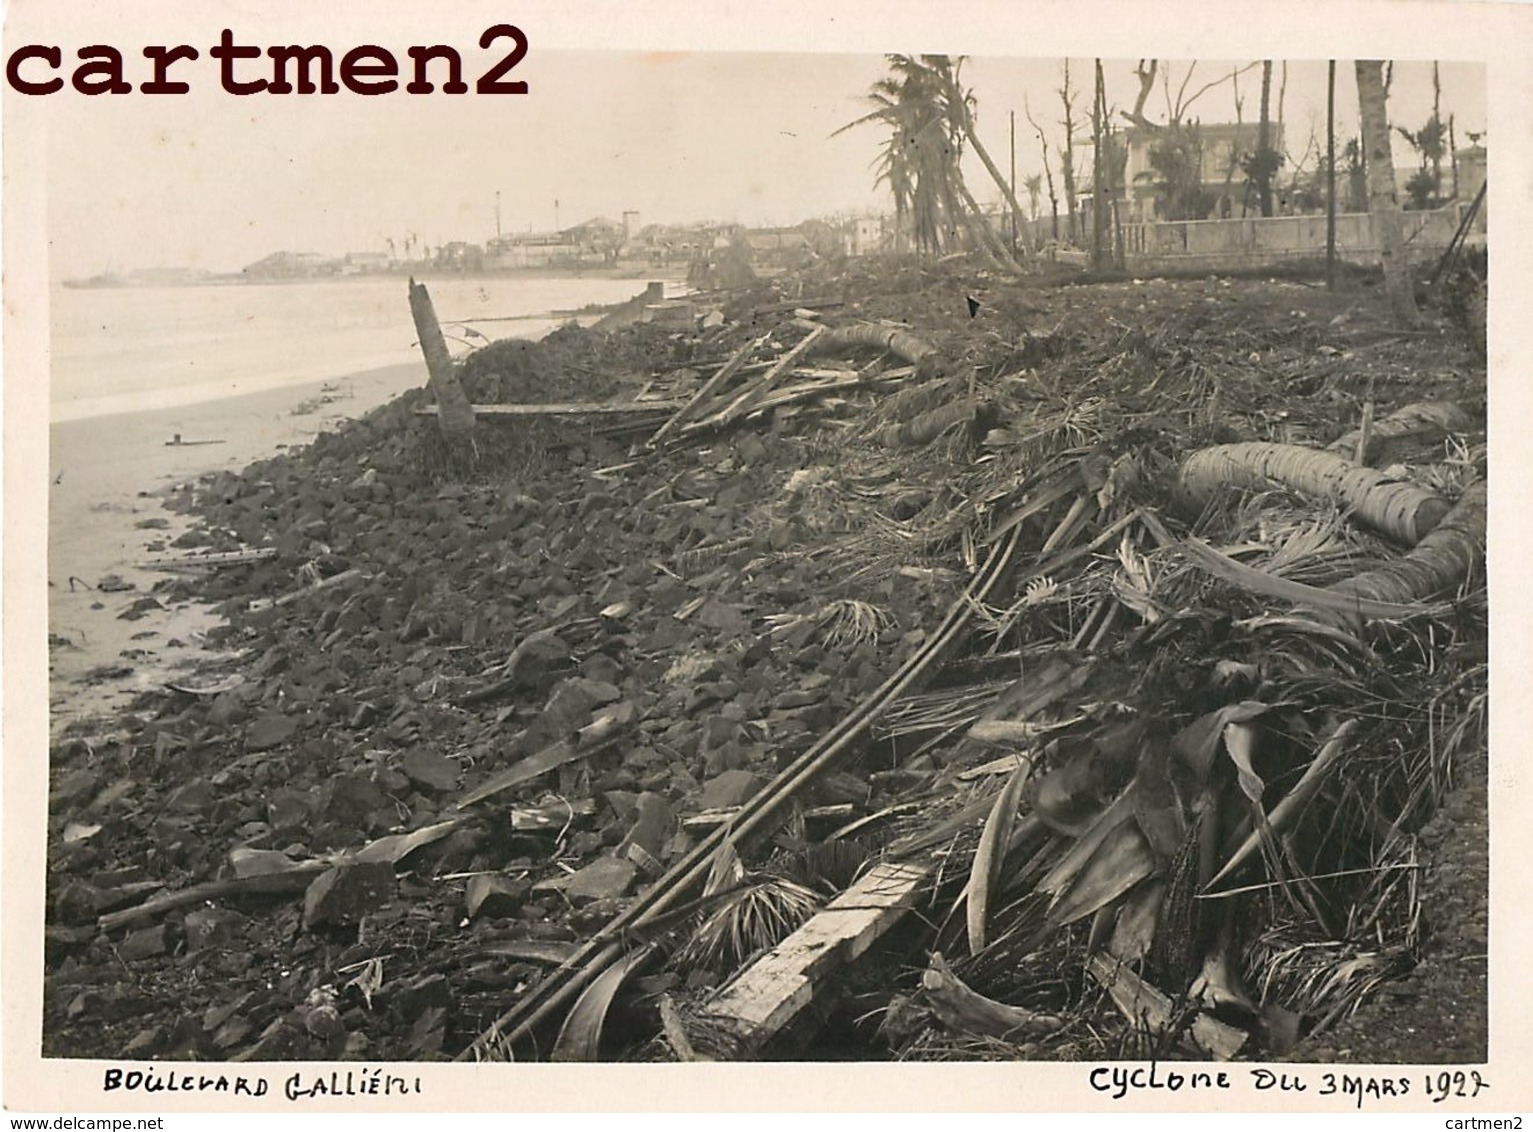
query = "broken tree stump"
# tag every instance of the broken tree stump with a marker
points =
(455, 414)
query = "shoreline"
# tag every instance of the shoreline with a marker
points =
(109, 478)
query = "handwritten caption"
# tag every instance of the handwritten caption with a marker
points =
(295, 1087)
(245, 69)
(1121, 1082)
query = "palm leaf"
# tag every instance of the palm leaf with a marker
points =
(580, 1036)
(985, 874)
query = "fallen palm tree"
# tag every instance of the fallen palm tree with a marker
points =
(1402, 511)
(1419, 422)
(1448, 554)
(897, 340)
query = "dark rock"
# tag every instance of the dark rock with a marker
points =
(73, 789)
(146, 943)
(349, 799)
(651, 827)
(732, 788)
(77, 903)
(270, 730)
(431, 770)
(211, 927)
(421, 994)
(290, 809)
(495, 895)
(346, 893)
(603, 879)
(196, 797)
(147, 1042)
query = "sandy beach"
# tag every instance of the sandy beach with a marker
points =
(109, 478)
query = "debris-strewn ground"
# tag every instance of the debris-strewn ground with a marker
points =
(477, 705)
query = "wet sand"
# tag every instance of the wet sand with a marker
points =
(109, 474)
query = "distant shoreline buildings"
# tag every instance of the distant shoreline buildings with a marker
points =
(712, 252)
(595, 244)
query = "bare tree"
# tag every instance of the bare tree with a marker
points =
(1099, 167)
(1048, 173)
(1067, 154)
(1263, 167)
(1383, 197)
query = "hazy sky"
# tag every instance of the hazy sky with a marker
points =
(212, 180)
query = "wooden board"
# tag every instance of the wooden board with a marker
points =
(565, 408)
(777, 987)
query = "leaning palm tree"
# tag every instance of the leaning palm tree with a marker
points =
(913, 161)
(920, 160)
(959, 105)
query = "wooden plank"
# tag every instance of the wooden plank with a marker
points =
(212, 559)
(1142, 1003)
(721, 375)
(748, 396)
(777, 987)
(260, 604)
(563, 408)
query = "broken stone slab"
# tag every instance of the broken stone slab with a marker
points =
(605, 878)
(146, 943)
(652, 824)
(211, 927)
(495, 895)
(431, 770)
(74, 789)
(196, 797)
(270, 730)
(345, 893)
(732, 788)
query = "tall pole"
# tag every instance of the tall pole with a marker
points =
(1013, 180)
(1099, 173)
(1330, 175)
(497, 214)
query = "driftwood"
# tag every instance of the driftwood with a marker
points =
(745, 401)
(962, 1010)
(1400, 511)
(1333, 600)
(777, 987)
(209, 560)
(266, 884)
(1143, 1005)
(676, 1031)
(607, 728)
(257, 605)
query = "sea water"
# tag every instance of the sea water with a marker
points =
(132, 367)
(125, 349)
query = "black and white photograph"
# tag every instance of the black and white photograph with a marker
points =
(887, 544)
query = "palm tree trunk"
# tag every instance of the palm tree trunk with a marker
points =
(1383, 196)
(979, 148)
(1263, 141)
(992, 242)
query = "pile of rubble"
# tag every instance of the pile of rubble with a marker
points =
(1024, 645)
